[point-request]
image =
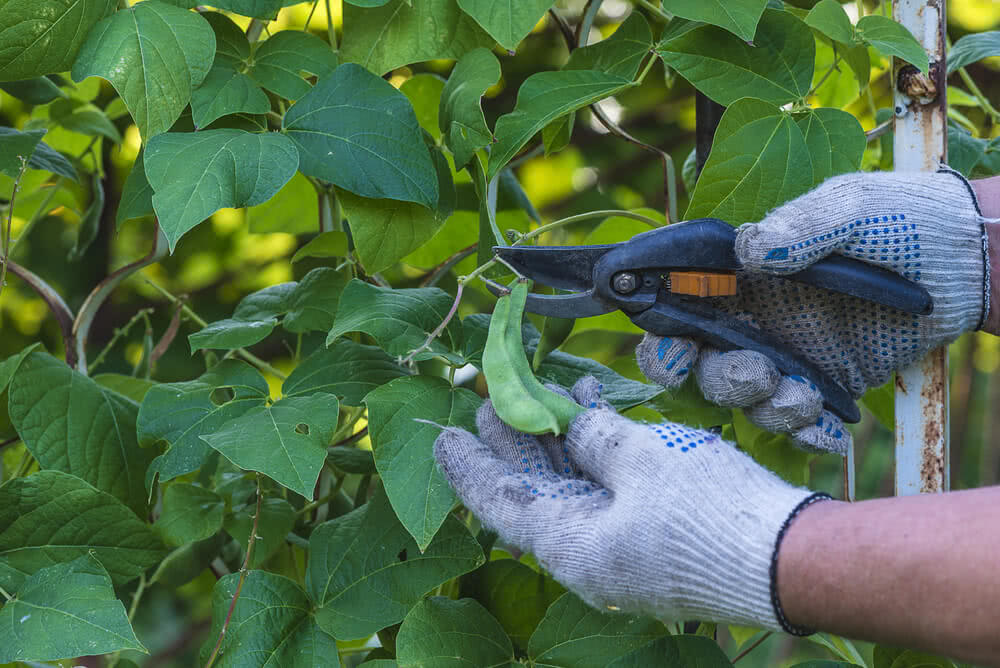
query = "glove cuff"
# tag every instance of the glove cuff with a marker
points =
(779, 612)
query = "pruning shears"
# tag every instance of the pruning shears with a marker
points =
(660, 279)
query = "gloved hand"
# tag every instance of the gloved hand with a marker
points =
(661, 519)
(925, 226)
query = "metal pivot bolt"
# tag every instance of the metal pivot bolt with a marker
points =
(623, 282)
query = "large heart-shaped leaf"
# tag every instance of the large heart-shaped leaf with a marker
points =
(285, 441)
(973, 48)
(53, 517)
(356, 130)
(64, 611)
(385, 230)
(154, 55)
(620, 54)
(506, 22)
(681, 650)
(439, 629)
(460, 116)
(542, 98)
(179, 413)
(829, 17)
(225, 91)
(759, 160)
(346, 369)
(194, 174)
(893, 39)
(777, 67)
(573, 634)
(398, 320)
(739, 17)
(190, 513)
(72, 424)
(271, 625)
(366, 572)
(402, 32)
(43, 36)
(404, 448)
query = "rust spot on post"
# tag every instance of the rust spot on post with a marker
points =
(900, 385)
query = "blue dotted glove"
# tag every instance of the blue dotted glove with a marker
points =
(661, 519)
(925, 226)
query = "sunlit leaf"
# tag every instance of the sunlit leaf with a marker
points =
(739, 17)
(972, 48)
(279, 62)
(385, 230)
(225, 91)
(836, 142)
(346, 369)
(829, 17)
(438, 630)
(892, 39)
(506, 22)
(461, 117)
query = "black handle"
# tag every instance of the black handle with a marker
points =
(672, 317)
(867, 281)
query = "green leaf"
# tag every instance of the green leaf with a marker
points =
(859, 60)
(231, 45)
(620, 54)
(836, 142)
(313, 304)
(84, 118)
(574, 635)
(188, 561)
(404, 448)
(16, 146)
(279, 62)
(190, 513)
(346, 369)
(285, 441)
(773, 451)
(277, 518)
(261, 9)
(52, 517)
(43, 36)
(513, 593)
(778, 67)
(691, 651)
(323, 245)
(399, 320)
(351, 460)
(739, 17)
(401, 32)
(461, 116)
(964, 150)
(973, 48)
(356, 130)
(128, 386)
(759, 160)
(47, 158)
(506, 22)
(821, 663)
(881, 401)
(179, 413)
(423, 90)
(137, 195)
(386, 230)
(564, 369)
(272, 625)
(150, 47)
(194, 174)
(72, 424)
(39, 90)
(366, 572)
(441, 632)
(9, 366)
(689, 406)
(225, 91)
(914, 659)
(544, 97)
(892, 39)
(90, 222)
(65, 611)
(829, 17)
(231, 333)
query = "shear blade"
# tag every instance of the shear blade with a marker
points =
(563, 267)
(576, 305)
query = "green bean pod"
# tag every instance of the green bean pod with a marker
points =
(518, 398)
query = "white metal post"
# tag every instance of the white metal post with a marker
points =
(921, 145)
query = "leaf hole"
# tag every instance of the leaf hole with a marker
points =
(222, 395)
(302, 428)
(402, 555)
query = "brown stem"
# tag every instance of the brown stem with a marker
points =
(55, 303)
(434, 274)
(752, 647)
(239, 585)
(352, 438)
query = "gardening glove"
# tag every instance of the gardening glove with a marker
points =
(662, 520)
(925, 226)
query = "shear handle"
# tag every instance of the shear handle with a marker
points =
(671, 316)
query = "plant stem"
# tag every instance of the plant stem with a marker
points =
(645, 70)
(239, 585)
(822, 80)
(254, 30)
(589, 215)
(361, 495)
(879, 130)
(37, 215)
(118, 334)
(55, 303)
(353, 438)
(666, 17)
(10, 222)
(309, 18)
(331, 33)
(752, 647)
(136, 596)
(326, 498)
(198, 320)
(6, 596)
(978, 94)
(437, 330)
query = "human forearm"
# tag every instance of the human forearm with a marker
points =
(917, 571)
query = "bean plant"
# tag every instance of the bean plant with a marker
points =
(252, 455)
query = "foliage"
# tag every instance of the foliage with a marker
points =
(269, 465)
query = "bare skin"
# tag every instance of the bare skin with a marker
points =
(915, 571)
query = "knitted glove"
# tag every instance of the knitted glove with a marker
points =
(660, 520)
(925, 226)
